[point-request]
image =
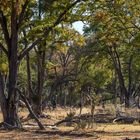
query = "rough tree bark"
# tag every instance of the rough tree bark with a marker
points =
(10, 103)
(12, 100)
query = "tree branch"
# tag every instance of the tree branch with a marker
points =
(60, 18)
(3, 23)
(3, 49)
(30, 109)
(21, 16)
(23, 53)
(48, 29)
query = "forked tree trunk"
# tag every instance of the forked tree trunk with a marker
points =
(11, 103)
(116, 60)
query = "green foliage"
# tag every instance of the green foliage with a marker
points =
(3, 64)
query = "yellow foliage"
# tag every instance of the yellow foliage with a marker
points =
(100, 15)
(4, 68)
(5, 6)
(63, 48)
(79, 41)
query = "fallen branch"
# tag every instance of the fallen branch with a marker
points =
(30, 110)
(66, 120)
(85, 117)
(124, 119)
(74, 119)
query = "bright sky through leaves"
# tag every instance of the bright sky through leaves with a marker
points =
(78, 26)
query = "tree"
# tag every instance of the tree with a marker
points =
(12, 16)
(112, 18)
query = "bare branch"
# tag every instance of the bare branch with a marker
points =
(30, 109)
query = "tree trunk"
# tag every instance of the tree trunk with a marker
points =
(37, 105)
(116, 60)
(81, 102)
(130, 74)
(3, 100)
(29, 87)
(114, 87)
(29, 79)
(123, 88)
(12, 100)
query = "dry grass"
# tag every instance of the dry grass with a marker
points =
(99, 131)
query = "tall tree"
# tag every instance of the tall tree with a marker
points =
(12, 16)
